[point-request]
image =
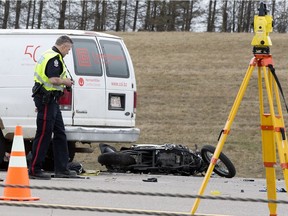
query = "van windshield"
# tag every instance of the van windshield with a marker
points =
(86, 55)
(115, 59)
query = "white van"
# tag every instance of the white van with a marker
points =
(102, 103)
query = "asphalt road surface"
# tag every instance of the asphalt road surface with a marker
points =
(63, 197)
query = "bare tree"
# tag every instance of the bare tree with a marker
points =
(63, 7)
(211, 16)
(188, 11)
(125, 16)
(17, 17)
(28, 14)
(248, 16)
(209, 27)
(240, 17)
(103, 15)
(135, 15)
(154, 15)
(33, 14)
(172, 15)
(6, 14)
(97, 17)
(273, 8)
(118, 17)
(161, 18)
(234, 16)
(147, 16)
(84, 15)
(224, 16)
(41, 4)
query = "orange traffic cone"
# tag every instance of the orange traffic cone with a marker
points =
(17, 173)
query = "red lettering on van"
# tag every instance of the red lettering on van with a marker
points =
(31, 51)
(108, 58)
(83, 57)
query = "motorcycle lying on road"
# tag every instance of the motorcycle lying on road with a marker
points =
(164, 159)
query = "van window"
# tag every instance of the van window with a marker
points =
(115, 59)
(87, 58)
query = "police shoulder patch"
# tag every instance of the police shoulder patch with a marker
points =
(56, 63)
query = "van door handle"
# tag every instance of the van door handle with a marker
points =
(82, 111)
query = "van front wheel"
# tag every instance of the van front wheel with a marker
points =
(2, 146)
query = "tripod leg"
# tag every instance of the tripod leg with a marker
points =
(268, 148)
(281, 137)
(225, 132)
(279, 131)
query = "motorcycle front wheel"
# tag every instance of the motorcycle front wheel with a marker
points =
(223, 167)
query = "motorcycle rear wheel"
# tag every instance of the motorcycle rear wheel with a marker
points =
(223, 167)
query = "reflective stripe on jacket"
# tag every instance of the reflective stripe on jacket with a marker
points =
(40, 76)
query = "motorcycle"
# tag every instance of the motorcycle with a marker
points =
(164, 159)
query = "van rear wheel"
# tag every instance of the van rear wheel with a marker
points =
(71, 150)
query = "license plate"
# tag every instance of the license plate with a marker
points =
(115, 102)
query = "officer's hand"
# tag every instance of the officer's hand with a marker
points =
(68, 82)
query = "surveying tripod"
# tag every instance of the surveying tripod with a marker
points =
(272, 124)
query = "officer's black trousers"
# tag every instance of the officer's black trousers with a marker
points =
(49, 122)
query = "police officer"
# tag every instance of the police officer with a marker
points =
(50, 80)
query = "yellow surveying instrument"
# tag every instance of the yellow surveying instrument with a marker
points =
(263, 25)
(272, 122)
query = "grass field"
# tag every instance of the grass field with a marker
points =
(187, 83)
